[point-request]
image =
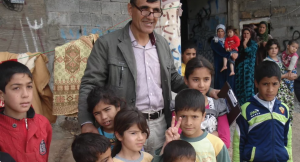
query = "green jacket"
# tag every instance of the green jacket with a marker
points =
(110, 54)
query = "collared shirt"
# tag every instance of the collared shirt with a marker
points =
(149, 96)
(267, 104)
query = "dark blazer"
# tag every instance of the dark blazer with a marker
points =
(110, 54)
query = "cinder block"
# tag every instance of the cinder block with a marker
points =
(70, 32)
(80, 19)
(278, 10)
(246, 15)
(260, 4)
(124, 8)
(62, 5)
(102, 21)
(58, 18)
(278, 22)
(261, 13)
(90, 6)
(120, 20)
(125, 1)
(288, 3)
(111, 8)
(279, 32)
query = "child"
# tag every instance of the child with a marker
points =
(24, 135)
(178, 151)
(189, 52)
(289, 60)
(263, 131)
(91, 147)
(190, 113)
(285, 93)
(104, 105)
(198, 75)
(131, 131)
(232, 42)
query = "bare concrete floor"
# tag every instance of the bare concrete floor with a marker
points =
(63, 134)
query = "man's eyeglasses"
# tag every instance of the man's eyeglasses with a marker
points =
(148, 13)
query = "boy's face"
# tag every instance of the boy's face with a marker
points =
(188, 54)
(200, 79)
(105, 115)
(191, 122)
(18, 93)
(230, 33)
(268, 88)
(105, 157)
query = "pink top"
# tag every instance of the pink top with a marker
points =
(223, 128)
(286, 59)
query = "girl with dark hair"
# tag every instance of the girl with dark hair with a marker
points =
(245, 66)
(178, 151)
(198, 75)
(131, 131)
(285, 95)
(262, 38)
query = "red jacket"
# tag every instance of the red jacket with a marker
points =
(29, 144)
(232, 42)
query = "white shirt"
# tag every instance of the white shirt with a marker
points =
(268, 104)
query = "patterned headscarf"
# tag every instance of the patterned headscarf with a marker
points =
(264, 36)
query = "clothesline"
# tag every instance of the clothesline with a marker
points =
(101, 33)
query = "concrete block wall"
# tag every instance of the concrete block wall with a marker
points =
(284, 16)
(70, 19)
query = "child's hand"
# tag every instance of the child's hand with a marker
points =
(172, 133)
(227, 49)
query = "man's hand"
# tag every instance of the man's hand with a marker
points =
(89, 128)
(214, 93)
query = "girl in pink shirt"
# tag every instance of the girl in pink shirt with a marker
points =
(289, 60)
(198, 75)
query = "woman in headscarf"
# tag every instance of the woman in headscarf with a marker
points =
(262, 38)
(217, 45)
(245, 66)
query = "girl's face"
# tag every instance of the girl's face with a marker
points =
(200, 79)
(220, 33)
(230, 33)
(262, 28)
(246, 34)
(293, 48)
(105, 115)
(273, 51)
(133, 139)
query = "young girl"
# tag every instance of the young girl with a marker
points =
(131, 131)
(178, 151)
(289, 60)
(198, 75)
(232, 42)
(285, 94)
(104, 104)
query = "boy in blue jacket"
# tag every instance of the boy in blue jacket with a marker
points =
(263, 131)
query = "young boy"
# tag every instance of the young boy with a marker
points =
(104, 104)
(263, 131)
(190, 113)
(24, 135)
(189, 52)
(91, 147)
